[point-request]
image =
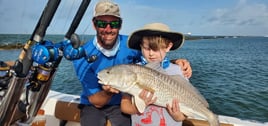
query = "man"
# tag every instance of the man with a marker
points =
(108, 48)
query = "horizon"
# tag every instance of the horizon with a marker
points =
(125, 34)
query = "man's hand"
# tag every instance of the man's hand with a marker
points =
(101, 98)
(185, 66)
(109, 89)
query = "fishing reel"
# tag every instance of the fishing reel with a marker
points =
(37, 75)
(44, 55)
(71, 53)
(45, 52)
(69, 49)
(73, 50)
(49, 52)
(5, 75)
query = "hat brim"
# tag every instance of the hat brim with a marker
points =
(107, 15)
(135, 38)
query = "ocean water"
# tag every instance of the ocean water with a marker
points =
(231, 73)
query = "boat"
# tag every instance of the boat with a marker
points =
(61, 108)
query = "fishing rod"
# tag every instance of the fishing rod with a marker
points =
(43, 73)
(23, 64)
(77, 19)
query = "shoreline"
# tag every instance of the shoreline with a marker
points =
(20, 45)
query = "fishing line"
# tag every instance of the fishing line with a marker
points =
(86, 31)
(87, 20)
(58, 15)
(22, 18)
(69, 14)
(23, 13)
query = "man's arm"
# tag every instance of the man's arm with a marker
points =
(185, 66)
(127, 106)
(103, 97)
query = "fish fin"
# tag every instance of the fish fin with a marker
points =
(156, 66)
(142, 86)
(140, 104)
(176, 77)
(189, 112)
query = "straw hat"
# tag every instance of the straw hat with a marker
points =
(107, 7)
(155, 29)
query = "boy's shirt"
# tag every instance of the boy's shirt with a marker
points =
(155, 115)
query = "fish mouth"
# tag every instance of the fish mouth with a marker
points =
(102, 82)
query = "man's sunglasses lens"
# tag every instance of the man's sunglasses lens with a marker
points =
(103, 24)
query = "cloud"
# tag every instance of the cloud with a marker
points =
(141, 14)
(239, 17)
(243, 14)
(19, 16)
(243, 17)
(217, 18)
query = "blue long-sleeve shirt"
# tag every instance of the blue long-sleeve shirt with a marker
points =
(87, 72)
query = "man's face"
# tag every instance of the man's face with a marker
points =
(107, 28)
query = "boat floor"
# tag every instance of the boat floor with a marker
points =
(60, 107)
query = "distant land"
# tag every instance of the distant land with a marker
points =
(17, 41)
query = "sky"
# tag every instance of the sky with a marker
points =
(197, 17)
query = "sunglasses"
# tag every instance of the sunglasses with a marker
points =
(103, 24)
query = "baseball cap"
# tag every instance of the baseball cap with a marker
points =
(106, 7)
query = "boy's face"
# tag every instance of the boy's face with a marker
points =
(153, 55)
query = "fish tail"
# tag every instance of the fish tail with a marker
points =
(213, 120)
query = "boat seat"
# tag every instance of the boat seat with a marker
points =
(73, 112)
(195, 122)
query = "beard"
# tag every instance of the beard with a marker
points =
(107, 39)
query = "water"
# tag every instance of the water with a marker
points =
(231, 73)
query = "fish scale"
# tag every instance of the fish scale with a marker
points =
(165, 90)
(168, 84)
